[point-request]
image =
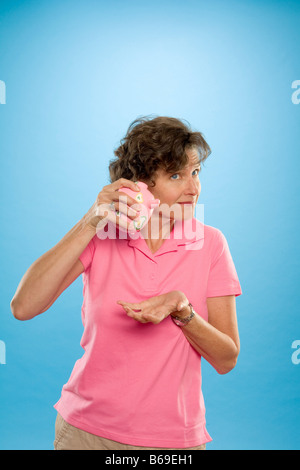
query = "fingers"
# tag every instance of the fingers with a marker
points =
(119, 214)
(123, 198)
(139, 306)
(138, 316)
(124, 183)
(144, 314)
(107, 214)
(123, 203)
(127, 206)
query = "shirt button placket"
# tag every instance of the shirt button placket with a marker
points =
(153, 277)
(151, 280)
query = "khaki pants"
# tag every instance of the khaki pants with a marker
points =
(67, 437)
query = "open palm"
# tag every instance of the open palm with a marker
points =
(157, 308)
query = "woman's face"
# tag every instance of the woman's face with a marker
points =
(179, 191)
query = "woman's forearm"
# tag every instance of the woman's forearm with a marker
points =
(216, 347)
(42, 280)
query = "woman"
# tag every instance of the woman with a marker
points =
(153, 305)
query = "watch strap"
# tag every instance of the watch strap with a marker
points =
(184, 321)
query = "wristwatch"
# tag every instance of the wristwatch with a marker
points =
(184, 321)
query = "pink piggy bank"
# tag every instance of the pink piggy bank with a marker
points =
(148, 203)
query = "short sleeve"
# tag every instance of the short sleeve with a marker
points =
(222, 279)
(87, 255)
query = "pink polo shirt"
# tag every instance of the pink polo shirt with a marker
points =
(140, 383)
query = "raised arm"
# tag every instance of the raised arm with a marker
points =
(51, 274)
(56, 269)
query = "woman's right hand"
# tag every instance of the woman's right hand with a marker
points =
(104, 211)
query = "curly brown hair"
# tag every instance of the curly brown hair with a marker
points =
(155, 143)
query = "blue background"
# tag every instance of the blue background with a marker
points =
(77, 73)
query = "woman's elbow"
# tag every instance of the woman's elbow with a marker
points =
(15, 310)
(18, 312)
(228, 366)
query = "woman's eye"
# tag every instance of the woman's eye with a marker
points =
(194, 173)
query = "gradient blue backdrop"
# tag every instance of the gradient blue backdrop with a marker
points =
(77, 73)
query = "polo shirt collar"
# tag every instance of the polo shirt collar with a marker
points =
(184, 233)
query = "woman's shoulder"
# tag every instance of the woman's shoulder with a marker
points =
(205, 230)
(211, 231)
(214, 238)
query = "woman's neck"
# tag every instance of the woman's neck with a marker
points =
(157, 230)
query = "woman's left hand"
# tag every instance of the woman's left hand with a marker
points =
(156, 309)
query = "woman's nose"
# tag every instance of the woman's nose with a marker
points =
(193, 187)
